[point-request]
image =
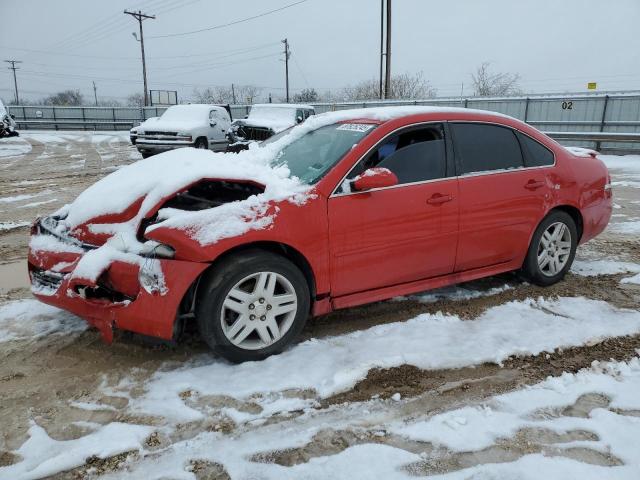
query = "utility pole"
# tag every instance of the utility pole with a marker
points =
(139, 16)
(387, 82)
(381, 43)
(233, 93)
(15, 81)
(95, 92)
(287, 54)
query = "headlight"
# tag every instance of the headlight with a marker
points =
(155, 249)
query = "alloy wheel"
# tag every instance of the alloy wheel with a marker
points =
(554, 249)
(259, 310)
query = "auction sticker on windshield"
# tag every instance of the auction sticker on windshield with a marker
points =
(356, 127)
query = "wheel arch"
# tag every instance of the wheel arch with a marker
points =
(574, 213)
(202, 137)
(295, 256)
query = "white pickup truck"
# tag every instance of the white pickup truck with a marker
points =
(265, 120)
(195, 125)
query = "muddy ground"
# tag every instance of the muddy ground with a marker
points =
(40, 378)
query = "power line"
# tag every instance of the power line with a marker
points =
(235, 22)
(15, 81)
(304, 77)
(108, 26)
(140, 17)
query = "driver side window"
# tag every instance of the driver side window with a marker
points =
(414, 155)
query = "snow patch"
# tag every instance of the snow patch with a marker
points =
(429, 341)
(44, 456)
(29, 319)
(634, 280)
(14, 148)
(592, 268)
(5, 226)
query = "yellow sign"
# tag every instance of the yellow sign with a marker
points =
(592, 85)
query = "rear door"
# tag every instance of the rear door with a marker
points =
(394, 235)
(501, 200)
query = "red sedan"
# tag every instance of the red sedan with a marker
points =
(349, 208)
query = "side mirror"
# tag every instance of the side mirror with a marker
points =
(299, 119)
(374, 178)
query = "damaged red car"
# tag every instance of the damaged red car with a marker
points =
(348, 208)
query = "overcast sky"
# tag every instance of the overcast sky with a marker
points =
(555, 45)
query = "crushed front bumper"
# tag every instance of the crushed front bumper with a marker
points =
(118, 298)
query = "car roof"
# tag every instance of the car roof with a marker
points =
(381, 115)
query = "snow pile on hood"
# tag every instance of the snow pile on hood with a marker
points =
(276, 117)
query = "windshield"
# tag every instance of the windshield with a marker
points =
(185, 112)
(311, 156)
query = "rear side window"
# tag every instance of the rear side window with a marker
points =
(535, 154)
(481, 147)
(414, 155)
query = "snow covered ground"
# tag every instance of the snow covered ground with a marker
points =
(451, 383)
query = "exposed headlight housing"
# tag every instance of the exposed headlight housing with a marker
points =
(151, 278)
(153, 249)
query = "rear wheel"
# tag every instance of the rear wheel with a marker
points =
(252, 305)
(552, 249)
(201, 143)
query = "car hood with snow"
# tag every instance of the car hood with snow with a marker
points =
(191, 191)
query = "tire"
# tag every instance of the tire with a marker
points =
(231, 293)
(552, 249)
(201, 143)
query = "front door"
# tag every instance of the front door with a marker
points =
(389, 236)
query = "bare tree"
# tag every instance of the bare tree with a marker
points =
(242, 93)
(109, 103)
(489, 84)
(135, 100)
(404, 86)
(66, 98)
(247, 93)
(308, 95)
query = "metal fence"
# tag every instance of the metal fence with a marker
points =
(574, 113)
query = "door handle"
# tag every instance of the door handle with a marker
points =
(439, 199)
(534, 184)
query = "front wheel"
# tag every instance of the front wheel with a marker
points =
(552, 249)
(252, 305)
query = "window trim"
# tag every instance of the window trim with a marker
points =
(450, 152)
(515, 131)
(448, 160)
(539, 143)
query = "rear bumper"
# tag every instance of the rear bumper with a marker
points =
(117, 299)
(595, 219)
